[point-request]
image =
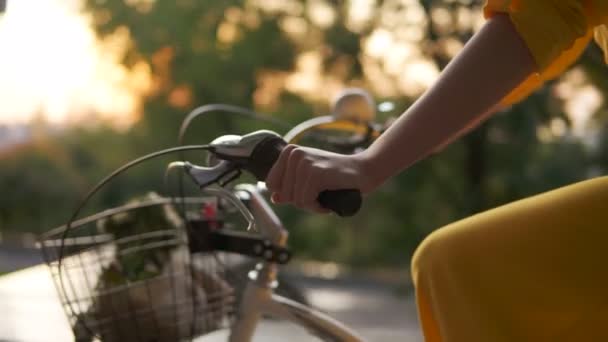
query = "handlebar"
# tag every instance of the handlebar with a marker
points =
(345, 202)
(258, 151)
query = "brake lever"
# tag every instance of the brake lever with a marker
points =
(205, 176)
(230, 176)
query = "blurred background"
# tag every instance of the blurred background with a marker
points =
(86, 85)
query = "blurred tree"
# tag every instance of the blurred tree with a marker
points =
(289, 58)
(37, 182)
(200, 52)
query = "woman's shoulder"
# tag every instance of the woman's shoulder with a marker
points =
(556, 32)
(595, 12)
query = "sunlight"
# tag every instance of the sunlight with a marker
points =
(397, 13)
(450, 46)
(294, 26)
(321, 13)
(398, 56)
(378, 42)
(582, 99)
(360, 13)
(53, 65)
(227, 32)
(442, 20)
(380, 82)
(417, 76)
(292, 7)
(307, 77)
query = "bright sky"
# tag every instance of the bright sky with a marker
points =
(51, 63)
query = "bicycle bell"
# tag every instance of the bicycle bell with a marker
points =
(354, 104)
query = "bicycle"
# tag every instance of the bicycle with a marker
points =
(187, 255)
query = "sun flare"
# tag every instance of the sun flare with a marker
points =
(53, 66)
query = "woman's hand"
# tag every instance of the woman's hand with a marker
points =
(301, 173)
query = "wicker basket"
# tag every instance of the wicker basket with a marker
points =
(126, 274)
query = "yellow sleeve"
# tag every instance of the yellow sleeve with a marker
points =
(555, 31)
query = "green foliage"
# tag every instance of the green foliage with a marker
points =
(136, 260)
(37, 182)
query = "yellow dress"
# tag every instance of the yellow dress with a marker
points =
(536, 269)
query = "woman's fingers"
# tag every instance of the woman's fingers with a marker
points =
(289, 177)
(301, 173)
(310, 192)
(302, 180)
(274, 180)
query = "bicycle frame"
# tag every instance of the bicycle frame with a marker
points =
(258, 297)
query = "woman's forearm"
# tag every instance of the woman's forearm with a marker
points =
(466, 129)
(493, 63)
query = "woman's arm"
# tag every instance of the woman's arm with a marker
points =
(492, 63)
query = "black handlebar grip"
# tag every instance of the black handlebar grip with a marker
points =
(263, 157)
(345, 202)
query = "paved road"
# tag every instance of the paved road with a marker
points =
(31, 311)
(13, 257)
(374, 308)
